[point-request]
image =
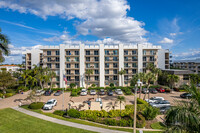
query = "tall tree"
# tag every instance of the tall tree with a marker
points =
(6, 80)
(26, 76)
(121, 73)
(172, 79)
(88, 73)
(51, 75)
(149, 77)
(4, 49)
(151, 67)
(121, 99)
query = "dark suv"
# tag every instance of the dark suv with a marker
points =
(48, 92)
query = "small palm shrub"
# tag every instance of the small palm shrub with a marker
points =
(150, 112)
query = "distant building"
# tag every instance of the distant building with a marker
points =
(73, 60)
(12, 68)
(193, 65)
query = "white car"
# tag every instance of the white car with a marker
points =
(154, 99)
(83, 92)
(39, 92)
(160, 104)
(118, 92)
(92, 92)
(50, 104)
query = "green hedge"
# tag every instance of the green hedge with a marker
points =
(9, 94)
(150, 112)
(73, 113)
(60, 112)
(140, 123)
(36, 105)
(1, 95)
(73, 94)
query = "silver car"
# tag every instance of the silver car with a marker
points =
(159, 104)
(92, 92)
(118, 92)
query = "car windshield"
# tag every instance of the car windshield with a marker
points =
(92, 91)
(118, 89)
(49, 102)
(83, 91)
(102, 90)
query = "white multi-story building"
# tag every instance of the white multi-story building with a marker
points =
(105, 61)
(10, 68)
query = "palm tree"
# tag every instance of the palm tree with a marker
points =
(122, 72)
(154, 70)
(26, 77)
(149, 77)
(51, 75)
(88, 73)
(121, 99)
(185, 117)
(4, 49)
(172, 79)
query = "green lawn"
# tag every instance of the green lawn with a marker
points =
(12, 121)
(85, 122)
(158, 125)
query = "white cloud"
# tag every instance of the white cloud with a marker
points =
(101, 18)
(172, 34)
(166, 41)
(190, 54)
(64, 37)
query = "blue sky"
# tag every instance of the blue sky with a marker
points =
(173, 24)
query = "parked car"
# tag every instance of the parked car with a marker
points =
(154, 99)
(186, 95)
(159, 104)
(102, 92)
(92, 92)
(118, 92)
(138, 91)
(145, 90)
(163, 110)
(161, 90)
(50, 104)
(39, 92)
(110, 92)
(58, 93)
(153, 91)
(48, 92)
(83, 92)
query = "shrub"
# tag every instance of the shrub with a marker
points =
(150, 112)
(36, 105)
(112, 84)
(114, 113)
(111, 122)
(93, 85)
(73, 94)
(8, 94)
(59, 112)
(73, 113)
(140, 101)
(72, 85)
(127, 91)
(10, 91)
(140, 123)
(1, 95)
(124, 123)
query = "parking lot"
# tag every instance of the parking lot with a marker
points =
(171, 97)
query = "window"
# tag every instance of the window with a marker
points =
(57, 78)
(106, 71)
(68, 53)
(134, 65)
(114, 65)
(96, 52)
(126, 70)
(48, 59)
(114, 52)
(145, 58)
(125, 52)
(57, 72)
(133, 71)
(125, 58)
(106, 77)
(68, 59)
(87, 65)
(134, 58)
(76, 71)
(125, 77)
(114, 71)
(115, 59)
(185, 77)
(152, 58)
(96, 65)
(68, 78)
(76, 59)
(96, 58)
(87, 52)
(49, 65)
(144, 64)
(96, 78)
(57, 52)
(68, 72)
(144, 52)
(107, 52)
(76, 65)
(106, 65)
(134, 52)
(76, 78)
(57, 59)
(125, 64)
(68, 65)
(57, 84)
(76, 52)
(114, 77)
(106, 58)
(152, 52)
(48, 52)
(96, 71)
(87, 58)
(57, 65)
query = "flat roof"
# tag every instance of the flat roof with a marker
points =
(178, 71)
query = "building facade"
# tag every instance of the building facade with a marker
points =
(192, 65)
(10, 68)
(106, 61)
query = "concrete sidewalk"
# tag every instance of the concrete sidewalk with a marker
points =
(66, 123)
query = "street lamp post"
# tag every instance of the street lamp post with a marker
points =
(135, 106)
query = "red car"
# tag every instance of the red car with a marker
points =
(161, 90)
